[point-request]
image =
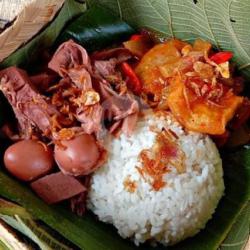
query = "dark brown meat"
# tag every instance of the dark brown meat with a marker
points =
(78, 203)
(121, 54)
(43, 81)
(80, 77)
(57, 187)
(91, 118)
(105, 62)
(69, 55)
(31, 108)
(105, 68)
(119, 107)
(129, 124)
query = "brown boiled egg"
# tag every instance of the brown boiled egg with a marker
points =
(28, 159)
(78, 156)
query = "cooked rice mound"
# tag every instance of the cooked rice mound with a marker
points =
(180, 208)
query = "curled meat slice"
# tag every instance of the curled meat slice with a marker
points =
(43, 81)
(105, 62)
(80, 77)
(120, 53)
(90, 118)
(105, 68)
(69, 55)
(124, 108)
(31, 108)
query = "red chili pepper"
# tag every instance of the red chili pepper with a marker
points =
(136, 37)
(133, 81)
(221, 57)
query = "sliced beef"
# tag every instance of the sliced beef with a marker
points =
(118, 106)
(43, 81)
(121, 54)
(80, 77)
(69, 55)
(123, 107)
(78, 203)
(105, 68)
(31, 108)
(129, 124)
(90, 118)
(57, 187)
(105, 62)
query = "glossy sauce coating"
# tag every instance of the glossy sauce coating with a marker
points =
(28, 160)
(78, 156)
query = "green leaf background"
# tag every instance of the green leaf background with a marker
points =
(225, 23)
(28, 54)
(183, 19)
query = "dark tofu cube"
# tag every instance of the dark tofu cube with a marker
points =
(57, 187)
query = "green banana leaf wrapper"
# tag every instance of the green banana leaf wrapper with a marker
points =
(96, 28)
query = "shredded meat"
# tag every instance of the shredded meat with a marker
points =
(121, 54)
(69, 55)
(105, 68)
(81, 95)
(80, 77)
(43, 81)
(115, 102)
(78, 203)
(90, 118)
(30, 107)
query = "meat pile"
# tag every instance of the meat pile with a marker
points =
(68, 110)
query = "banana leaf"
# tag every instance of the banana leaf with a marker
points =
(91, 31)
(31, 51)
(87, 233)
(222, 22)
(18, 218)
(4, 246)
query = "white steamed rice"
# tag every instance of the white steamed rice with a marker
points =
(175, 212)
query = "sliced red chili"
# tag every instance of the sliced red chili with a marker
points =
(136, 37)
(132, 80)
(221, 57)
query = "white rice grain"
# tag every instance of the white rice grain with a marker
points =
(178, 210)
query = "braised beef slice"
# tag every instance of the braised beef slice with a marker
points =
(80, 77)
(69, 55)
(117, 108)
(78, 202)
(90, 118)
(71, 60)
(105, 62)
(105, 68)
(57, 187)
(43, 81)
(30, 108)
(120, 53)
(129, 124)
